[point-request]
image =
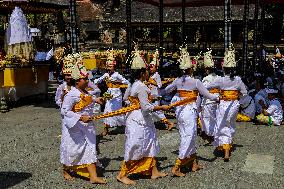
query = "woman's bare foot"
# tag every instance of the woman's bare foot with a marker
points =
(97, 180)
(196, 167)
(170, 126)
(158, 175)
(105, 132)
(227, 155)
(125, 180)
(176, 172)
(67, 176)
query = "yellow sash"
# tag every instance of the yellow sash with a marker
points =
(229, 95)
(115, 85)
(190, 96)
(134, 105)
(215, 90)
(84, 102)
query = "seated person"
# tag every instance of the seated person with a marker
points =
(273, 115)
(247, 109)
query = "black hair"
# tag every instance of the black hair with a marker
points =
(136, 74)
(231, 72)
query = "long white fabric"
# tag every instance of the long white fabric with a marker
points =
(187, 114)
(227, 110)
(78, 141)
(155, 92)
(116, 102)
(209, 107)
(141, 138)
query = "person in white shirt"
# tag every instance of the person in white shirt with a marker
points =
(154, 83)
(209, 107)
(78, 152)
(114, 82)
(273, 115)
(260, 97)
(247, 108)
(232, 87)
(188, 90)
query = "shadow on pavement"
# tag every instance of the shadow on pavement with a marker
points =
(9, 179)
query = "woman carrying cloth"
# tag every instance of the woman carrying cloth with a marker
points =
(231, 87)
(188, 90)
(78, 142)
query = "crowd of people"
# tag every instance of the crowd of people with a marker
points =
(214, 103)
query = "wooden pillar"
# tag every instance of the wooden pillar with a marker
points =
(74, 40)
(228, 23)
(161, 30)
(245, 37)
(183, 21)
(262, 28)
(128, 28)
(255, 35)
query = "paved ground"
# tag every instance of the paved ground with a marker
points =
(30, 156)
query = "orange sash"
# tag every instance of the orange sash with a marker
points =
(83, 103)
(215, 90)
(190, 96)
(115, 85)
(229, 95)
(134, 105)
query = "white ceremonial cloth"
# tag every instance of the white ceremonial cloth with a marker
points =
(187, 114)
(18, 30)
(209, 107)
(228, 110)
(141, 137)
(155, 92)
(78, 141)
(116, 102)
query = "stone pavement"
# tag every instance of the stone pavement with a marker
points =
(30, 139)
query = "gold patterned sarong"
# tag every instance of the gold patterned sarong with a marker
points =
(183, 162)
(80, 170)
(142, 166)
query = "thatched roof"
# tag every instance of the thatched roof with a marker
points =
(147, 13)
(88, 11)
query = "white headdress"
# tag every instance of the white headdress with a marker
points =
(69, 61)
(229, 59)
(110, 58)
(137, 61)
(184, 59)
(155, 60)
(79, 70)
(208, 59)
